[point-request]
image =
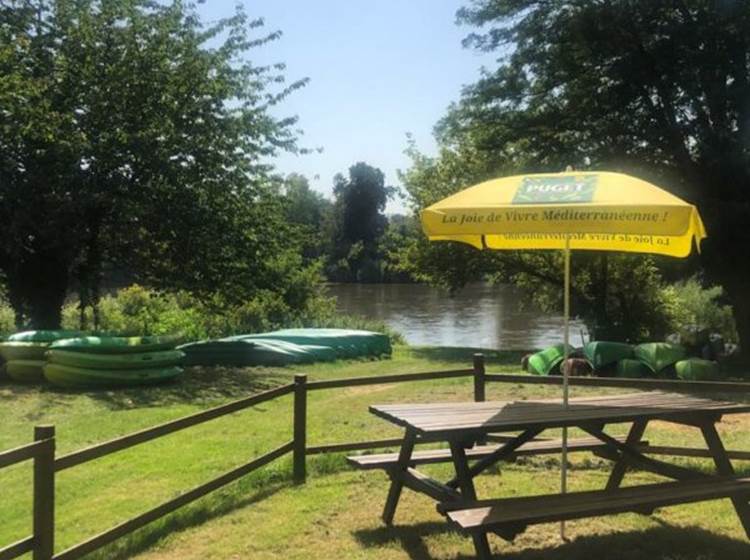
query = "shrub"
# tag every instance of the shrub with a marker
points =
(692, 307)
(7, 319)
(137, 310)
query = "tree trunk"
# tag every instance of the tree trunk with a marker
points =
(37, 288)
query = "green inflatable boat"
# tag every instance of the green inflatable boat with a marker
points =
(547, 362)
(69, 376)
(696, 369)
(116, 344)
(288, 346)
(23, 350)
(632, 368)
(659, 355)
(25, 371)
(601, 354)
(43, 336)
(141, 360)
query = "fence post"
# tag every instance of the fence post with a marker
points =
(479, 385)
(479, 378)
(300, 427)
(44, 494)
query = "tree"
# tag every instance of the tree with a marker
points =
(127, 142)
(310, 211)
(358, 218)
(660, 90)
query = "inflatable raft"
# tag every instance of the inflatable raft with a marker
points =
(93, 361)
(288, 346)
(25, 353)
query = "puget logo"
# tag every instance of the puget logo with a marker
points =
(556, 189)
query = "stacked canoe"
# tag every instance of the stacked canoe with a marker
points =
(93, 361)
(651, 359)
(24, 353)
(287, 346)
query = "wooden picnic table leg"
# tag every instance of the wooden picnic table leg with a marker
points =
(621, 466)
(498, 455)
(724, 467)
(468, 493)
(397, 475)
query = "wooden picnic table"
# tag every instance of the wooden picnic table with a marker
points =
(462, 425)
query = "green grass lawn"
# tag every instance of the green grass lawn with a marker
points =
(337, 513)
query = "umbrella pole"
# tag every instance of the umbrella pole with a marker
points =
(566, 342)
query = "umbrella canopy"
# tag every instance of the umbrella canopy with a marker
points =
(600, 211)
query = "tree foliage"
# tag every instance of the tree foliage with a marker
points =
(358, 223)
(655, 89)
(133, 137)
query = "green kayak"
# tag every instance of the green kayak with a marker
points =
(601, 354)
(23, 350)
(43, 336)
(68, 376)
(116, 344)
(150, 360)
(547, 362)
(629, 367)
(25, 370)
(659, 355)
(695, 369)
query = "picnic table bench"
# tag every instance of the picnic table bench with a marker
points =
(462, 425)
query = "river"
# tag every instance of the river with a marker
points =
(480, 315)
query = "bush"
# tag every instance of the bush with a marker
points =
(691, 307)
(137, 310)
(7, 319)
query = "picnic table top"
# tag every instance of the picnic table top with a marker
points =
(434, 419)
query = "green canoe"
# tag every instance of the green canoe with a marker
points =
(23, 350)
(143, 360)
(43, 336)
(116, 344)
(659, 355)
(695, 369)
(68, 376)
(601, 354)
(629, 367)
(547, 362)
(25, 370)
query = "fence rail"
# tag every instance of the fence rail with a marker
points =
(46, 465)
(623, 383)
(142, 436)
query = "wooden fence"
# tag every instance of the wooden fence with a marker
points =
(45, 462)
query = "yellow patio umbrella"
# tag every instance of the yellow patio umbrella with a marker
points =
(599, 211)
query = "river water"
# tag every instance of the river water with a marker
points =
(480, 315)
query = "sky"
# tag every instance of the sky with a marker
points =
(378, 69)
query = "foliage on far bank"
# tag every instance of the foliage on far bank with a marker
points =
(351, 235)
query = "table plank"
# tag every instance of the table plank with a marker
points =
(435, 419)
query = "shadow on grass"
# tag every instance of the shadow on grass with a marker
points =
(197, 385)
(464, 355)
(666, 543)
(214, 506)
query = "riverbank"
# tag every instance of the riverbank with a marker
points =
(336, 514)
